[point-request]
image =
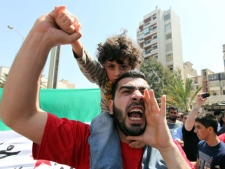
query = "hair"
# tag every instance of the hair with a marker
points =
(221, 119)
(118, 48)
(217, 113)
(128, 74)
(181, 115)
(172, 108)
(207, 120)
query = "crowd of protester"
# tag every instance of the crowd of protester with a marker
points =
(201, 135)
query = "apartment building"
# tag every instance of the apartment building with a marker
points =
(62, 84)
(159, 36)
(4, 70)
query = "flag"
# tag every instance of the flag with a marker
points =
(77, 104)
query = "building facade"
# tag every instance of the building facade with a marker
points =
(62, 84)
(211, 82)
(4, 70)
(159, 36)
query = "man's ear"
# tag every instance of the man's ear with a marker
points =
(110, 105)
(211, 129)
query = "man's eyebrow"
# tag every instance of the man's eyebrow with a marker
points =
(133, 87)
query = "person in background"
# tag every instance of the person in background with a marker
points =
(211, 151)
(133, 107)
(172, 121)
(190, 138)
(178, 135)
(217, 114)
(180, 116)
(222, 123)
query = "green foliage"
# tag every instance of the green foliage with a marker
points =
(179, 93)
(157, 75)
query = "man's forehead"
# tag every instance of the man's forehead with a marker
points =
(136, 82)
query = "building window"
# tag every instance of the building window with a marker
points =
(169, 57)
(146, 24)
(147, 30)
(141, 36)
(167, 17)
(147, 42)
(153, 27)
(169, 47)
(148, 51)
(155, 37)
(168, 36)
(154, 17)
(167, 27)
(155, 47)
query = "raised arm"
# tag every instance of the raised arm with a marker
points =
(189, 123)
(70, 24)
(20, 108)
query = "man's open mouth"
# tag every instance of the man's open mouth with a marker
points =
(135, 114)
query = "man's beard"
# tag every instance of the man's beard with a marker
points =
(172, 118)
(119, 120)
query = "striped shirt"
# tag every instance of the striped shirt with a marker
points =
(95, 73)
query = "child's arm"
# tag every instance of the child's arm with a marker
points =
(69, 24)
(87, 64)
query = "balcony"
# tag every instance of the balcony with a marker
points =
(147, 43)
(154, 51)
(146, 24)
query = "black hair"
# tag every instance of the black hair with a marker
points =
(207, 120)
(217, 113)
(172, 108)
(221, 119)
(130, 74)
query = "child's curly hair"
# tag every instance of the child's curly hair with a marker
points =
(119, 48)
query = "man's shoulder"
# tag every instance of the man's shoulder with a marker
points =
(201, 143)
(179, 122)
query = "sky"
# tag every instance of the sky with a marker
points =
(201, 21)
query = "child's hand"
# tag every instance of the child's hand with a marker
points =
(136, 144)
(66, 21)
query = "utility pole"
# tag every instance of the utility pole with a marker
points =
(54, 67)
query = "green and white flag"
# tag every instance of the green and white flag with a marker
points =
(77, 104)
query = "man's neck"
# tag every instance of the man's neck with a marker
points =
(123, 137)
(213, 141)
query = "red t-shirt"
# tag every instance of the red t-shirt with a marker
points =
(65, 142)
(131, 157)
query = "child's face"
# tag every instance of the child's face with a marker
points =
(115, 70)
(201, 131)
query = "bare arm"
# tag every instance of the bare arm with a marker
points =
(20, 108)
(196, 164)
(189, 123)
(70, 24)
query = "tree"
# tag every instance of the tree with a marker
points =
(3, 80)
(156, 74)
(179, 93)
